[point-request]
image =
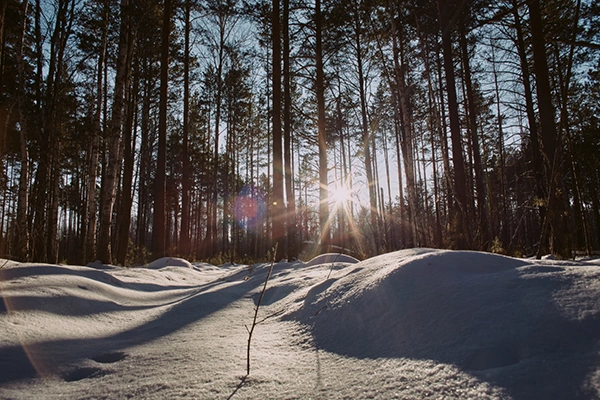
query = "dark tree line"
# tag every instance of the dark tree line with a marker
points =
(213, 129)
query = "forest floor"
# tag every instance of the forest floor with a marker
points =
(413, 324)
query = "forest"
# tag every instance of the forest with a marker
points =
(216, 129)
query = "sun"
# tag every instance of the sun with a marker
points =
(340, 195)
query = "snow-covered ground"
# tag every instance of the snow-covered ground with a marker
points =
(412, 324)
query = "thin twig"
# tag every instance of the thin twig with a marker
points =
(257, 307)
(270, 316)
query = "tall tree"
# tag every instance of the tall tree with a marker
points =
(287, 135)
(113, 140)
(94, 153)
(554, 228)
(461, 235)
(160, 186)
(22, 234)
(278, 208)
(324, 221)
(357, 32)
(184, 237)
(480, 189)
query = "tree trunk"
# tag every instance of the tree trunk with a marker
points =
(366, 137)
(91, 208)
(505, 227)
(406, 130)
(22, 234)
(143, 206)
(160, 183)
(109, 185)
(537, 162)
(124, 219)
(292, 249)
(461, 234)
(322, 135)
(554, 227)
(184, 238)
(2, 47)
(485, 235)
(278, 208)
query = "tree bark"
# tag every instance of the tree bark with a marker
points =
(485, 235)
(321, 133)
(460, 214)
(292, 249)
(406, 130)
(278, 208)
(554, 227)
(91, 208)
(184, 237)
(22, 234)
(124, 219)
(160, 184)
(109, 185)
(364, 125)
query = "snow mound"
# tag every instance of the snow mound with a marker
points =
(328, 258)
(169, 262)
(479, 311)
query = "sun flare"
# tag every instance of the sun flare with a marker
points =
(340, 194)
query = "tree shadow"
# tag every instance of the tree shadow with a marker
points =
(503, 326)
(50, 356)
(33, 271)
(238, 387)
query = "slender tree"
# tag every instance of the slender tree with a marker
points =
(22, 234)
(278, 208)
(554, 228)
(160, 186)
(461, 234)
(324, 221)
(184, 248)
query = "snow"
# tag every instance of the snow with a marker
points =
(414, 324)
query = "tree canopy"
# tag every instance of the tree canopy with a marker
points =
(214, 129)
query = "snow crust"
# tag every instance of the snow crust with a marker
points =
(413, 324)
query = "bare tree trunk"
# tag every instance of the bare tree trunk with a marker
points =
(406, 129)
(366, 137)
(505, 228)
(278, 205)
(159, 226)
(91, 208)
(22, 234)
(292, 245)
(109, 185)
(143, 205)
(184, 237)
(322, 135)
(461, 234)
(536, 154)
(480, 188)
(2, 45)
(124, 215)
(554, 227)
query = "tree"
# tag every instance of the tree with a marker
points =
(279, 216)
(554, 225)
(324, 221)
(22, 235)
(114, 152)
(461, 233)
(184, 248)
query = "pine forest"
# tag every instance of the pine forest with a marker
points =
(218, 129)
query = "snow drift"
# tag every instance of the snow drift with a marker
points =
(416, 323)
